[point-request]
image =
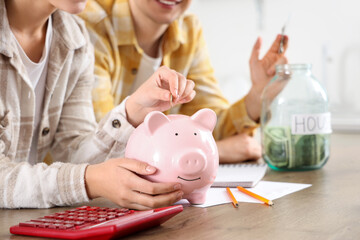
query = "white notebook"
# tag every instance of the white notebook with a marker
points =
(242, 174)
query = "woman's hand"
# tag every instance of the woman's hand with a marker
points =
(262, 71)
(238, 148)
(118, 180)
(164, 89)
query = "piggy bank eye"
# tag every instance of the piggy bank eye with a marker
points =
(195, 134)
(176, 134)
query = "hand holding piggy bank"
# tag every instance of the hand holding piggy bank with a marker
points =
(182, 149)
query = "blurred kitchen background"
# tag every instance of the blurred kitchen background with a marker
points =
(325, 33)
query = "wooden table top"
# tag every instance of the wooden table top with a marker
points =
(329, 209)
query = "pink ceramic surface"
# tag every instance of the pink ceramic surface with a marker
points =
(182, 149)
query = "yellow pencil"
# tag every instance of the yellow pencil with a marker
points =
(267, 201)
(233, 199)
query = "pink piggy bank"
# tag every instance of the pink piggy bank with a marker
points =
(182, 149)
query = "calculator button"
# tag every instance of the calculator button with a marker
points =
(82, 208)
(92, 208)
(80, 219)
(99, 220)
(44, 220)
(46, 225)
(67, 226)
(69, 222)
(61, 227)
(110, 217)
(71, 210)
(77, 223)
(28, 224)
(52, 226)
(92, 219)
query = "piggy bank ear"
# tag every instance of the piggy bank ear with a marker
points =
(154, 120)
(206, 118)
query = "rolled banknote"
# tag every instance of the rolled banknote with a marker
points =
(285, 150)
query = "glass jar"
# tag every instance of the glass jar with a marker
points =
(295, 120)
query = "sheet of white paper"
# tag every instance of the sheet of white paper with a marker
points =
(269, 190)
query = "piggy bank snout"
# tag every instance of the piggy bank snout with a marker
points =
(191, 162)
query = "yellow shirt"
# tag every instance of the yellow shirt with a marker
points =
(118, 55)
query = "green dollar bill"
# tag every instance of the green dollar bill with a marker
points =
(277, 146)
(310, 150)
(284, 150)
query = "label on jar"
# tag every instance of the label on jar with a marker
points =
(307, 124)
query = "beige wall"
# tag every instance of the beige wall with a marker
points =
(325, 33)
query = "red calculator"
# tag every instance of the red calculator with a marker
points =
(95, 222)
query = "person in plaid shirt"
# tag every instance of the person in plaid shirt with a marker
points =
(46, 78)
(132, 38)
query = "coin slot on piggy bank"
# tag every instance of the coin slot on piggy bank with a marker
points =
(182, 148)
